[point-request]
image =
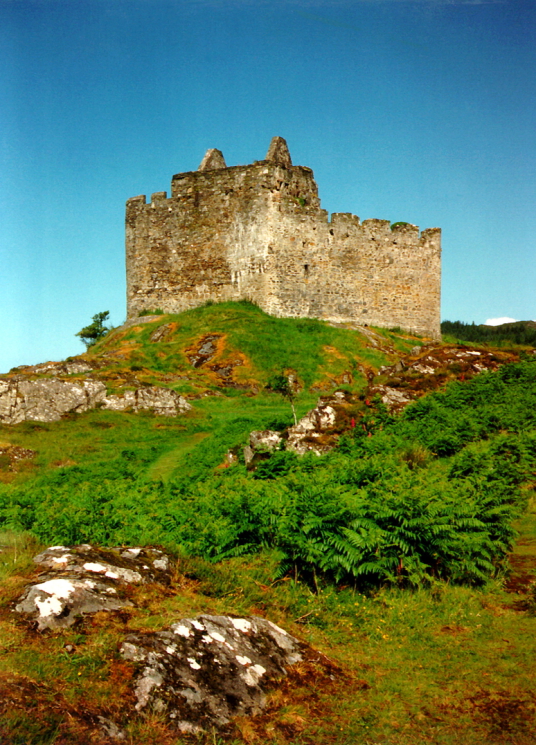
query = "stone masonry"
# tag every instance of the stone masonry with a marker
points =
(257, 232)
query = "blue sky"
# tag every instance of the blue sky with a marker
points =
(418, 111)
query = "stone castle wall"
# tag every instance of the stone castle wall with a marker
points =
(258, 232)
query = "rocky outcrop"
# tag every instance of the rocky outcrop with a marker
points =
(162, 333)
(429, 368)
(75, 366)
(307, 435)
(205, 349)
(316, 432)
(393, 398)
(70, 366)
(261, 443)
(163, 401)
(201, 672)
(81, 580)
(48, 399)
(196, 674)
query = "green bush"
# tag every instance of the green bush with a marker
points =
(96, 330)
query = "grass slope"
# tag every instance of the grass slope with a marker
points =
(251, 344)
(257, 345)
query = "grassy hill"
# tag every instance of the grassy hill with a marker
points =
(407, 554)
(228, 384)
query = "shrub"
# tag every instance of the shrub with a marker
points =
(91, 334)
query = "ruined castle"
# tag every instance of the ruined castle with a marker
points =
(257, 232)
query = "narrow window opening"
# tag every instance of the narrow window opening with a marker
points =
(306, 269)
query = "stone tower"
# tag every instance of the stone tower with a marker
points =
(257, 232)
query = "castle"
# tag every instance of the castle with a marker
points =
(257, 232)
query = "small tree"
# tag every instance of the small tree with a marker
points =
(282, 384)
(96, 330)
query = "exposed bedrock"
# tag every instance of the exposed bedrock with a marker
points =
(48, 399)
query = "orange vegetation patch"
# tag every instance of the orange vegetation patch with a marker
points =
(125, 352)
(173, 326)
(225, 367)
(504, 716)
(302, 706)
(37, 712)
(117, 335)
(206, 348)
(334, 352)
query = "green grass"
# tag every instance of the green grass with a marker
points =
(16, 552)
(317, 351)
(170, 461)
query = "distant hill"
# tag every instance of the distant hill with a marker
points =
(519, 332)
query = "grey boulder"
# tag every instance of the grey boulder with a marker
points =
(83, 579)
(203, 671)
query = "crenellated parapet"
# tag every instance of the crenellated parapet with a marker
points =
(258, 232)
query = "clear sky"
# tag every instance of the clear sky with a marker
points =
(422, 111)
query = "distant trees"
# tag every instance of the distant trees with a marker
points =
(96, 330)
(520, 332)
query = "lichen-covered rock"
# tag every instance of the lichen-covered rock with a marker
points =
(306, 435)
(73, 366)
(261, 442)
(393, 398)
(85, 579)
(129, 564)
(46, 400)
(163, 401)
(111, 729)
(59, 602)
(203, 671)
(11, 405)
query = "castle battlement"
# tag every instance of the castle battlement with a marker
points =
(258, 232)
